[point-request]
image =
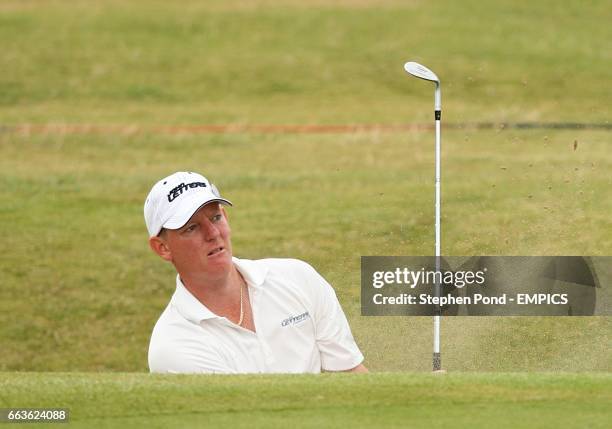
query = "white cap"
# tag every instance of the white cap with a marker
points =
(174, 199)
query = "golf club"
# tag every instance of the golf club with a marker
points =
(422, 72)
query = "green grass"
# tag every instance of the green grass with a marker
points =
(389, 400)
(80, 290)
(158, 62)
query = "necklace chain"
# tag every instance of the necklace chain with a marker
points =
(241, 307)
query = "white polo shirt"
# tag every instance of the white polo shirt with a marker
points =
(300, 327)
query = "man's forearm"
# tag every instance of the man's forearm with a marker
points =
(358, 368)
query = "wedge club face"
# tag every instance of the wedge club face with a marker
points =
(420, 71)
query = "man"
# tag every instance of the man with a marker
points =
(231, 315)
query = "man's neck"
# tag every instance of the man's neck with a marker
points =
(215, 293)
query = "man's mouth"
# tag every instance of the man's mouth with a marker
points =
(215, 251)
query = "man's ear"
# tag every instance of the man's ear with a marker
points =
(160, 247)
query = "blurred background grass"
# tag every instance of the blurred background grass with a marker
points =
(80, 290)
(223, 61)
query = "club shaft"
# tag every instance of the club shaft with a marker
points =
(438, 196)
(437, 364)
(437, 359)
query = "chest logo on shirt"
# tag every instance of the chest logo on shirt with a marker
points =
(294, 320)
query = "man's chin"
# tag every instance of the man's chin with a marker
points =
(220, 259)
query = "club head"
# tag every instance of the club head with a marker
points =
(420, 71)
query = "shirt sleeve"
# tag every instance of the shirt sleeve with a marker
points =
(336, 344)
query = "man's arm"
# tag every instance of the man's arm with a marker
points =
(333, 335)
(358, 368)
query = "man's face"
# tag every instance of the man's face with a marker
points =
(201, 250)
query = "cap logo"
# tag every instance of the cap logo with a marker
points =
(176, 192)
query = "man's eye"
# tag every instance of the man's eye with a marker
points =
(217, 218)
(191, 228)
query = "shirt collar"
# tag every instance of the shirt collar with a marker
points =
(254, 273)
(188, 305)
(193, 310)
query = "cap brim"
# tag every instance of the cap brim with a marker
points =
(188, 207)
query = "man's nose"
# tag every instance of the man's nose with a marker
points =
(210, 230)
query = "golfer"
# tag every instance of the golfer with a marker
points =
(230, 315)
